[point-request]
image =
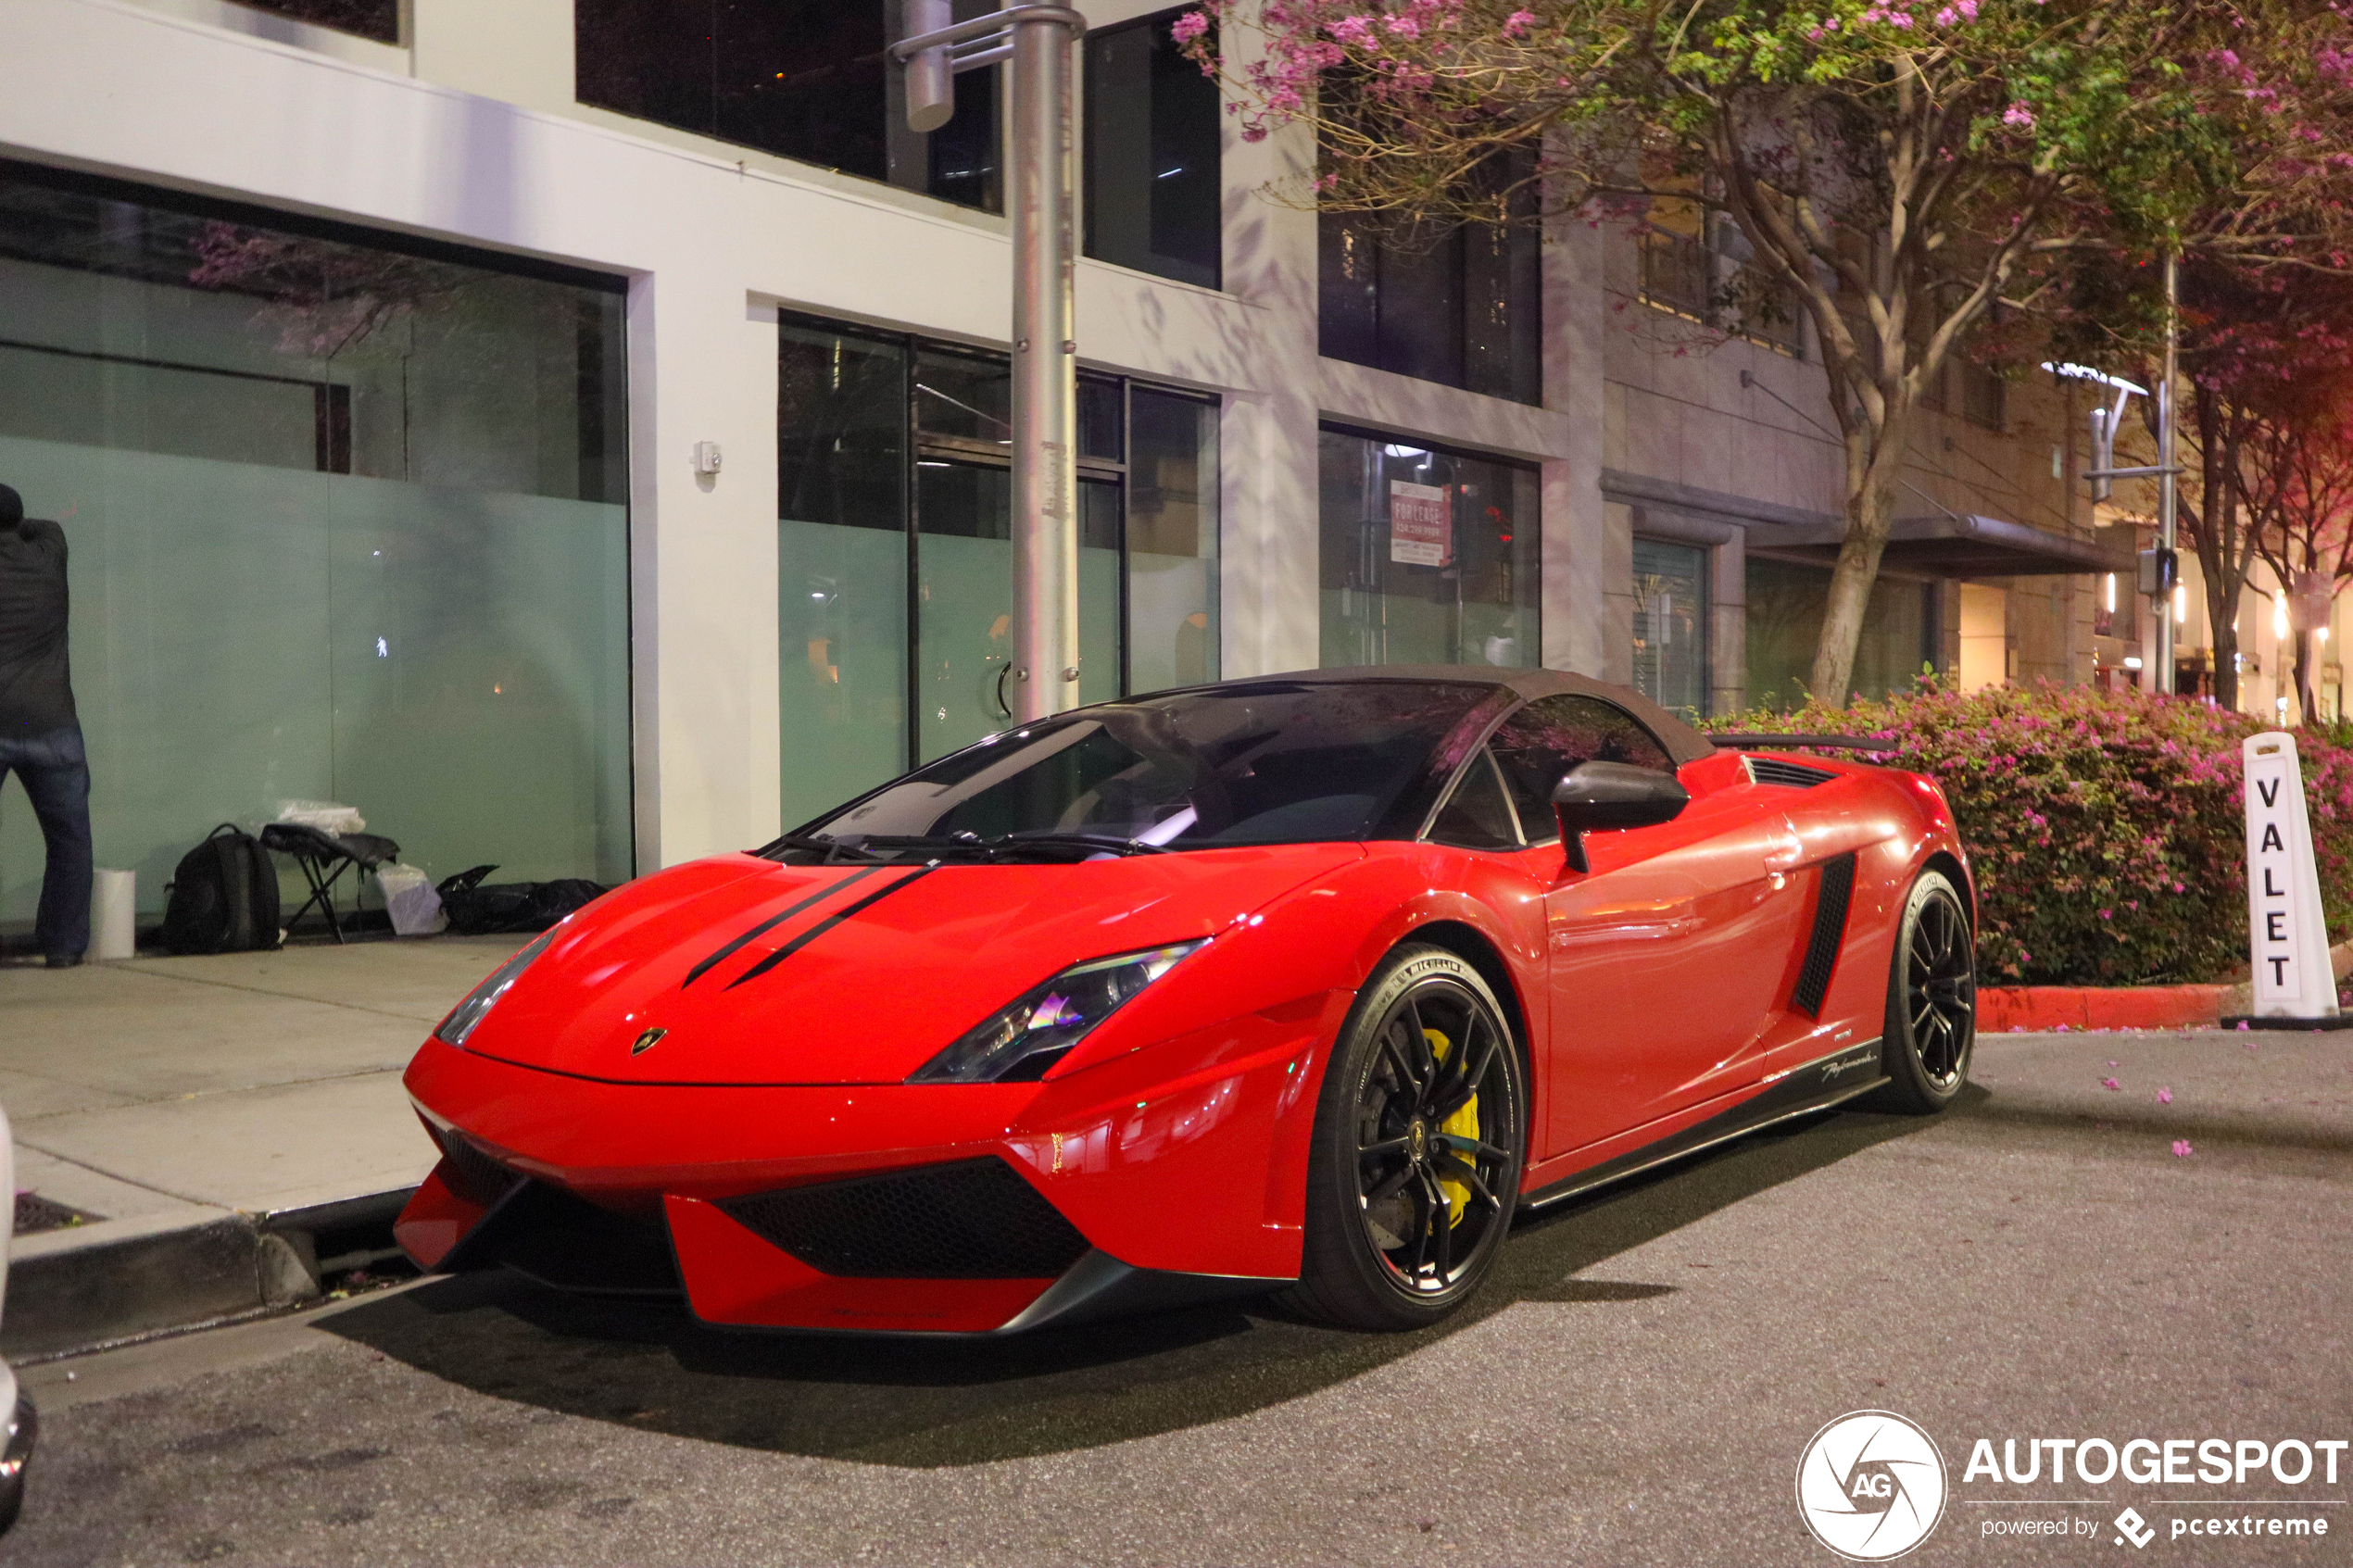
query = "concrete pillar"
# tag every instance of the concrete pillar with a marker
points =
(1585, 554)
(703, 550)
(520, 51)
(1270, 558)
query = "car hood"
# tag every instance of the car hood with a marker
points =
(757, 973)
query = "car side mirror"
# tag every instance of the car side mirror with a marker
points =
(1604, 795)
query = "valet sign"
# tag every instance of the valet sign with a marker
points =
(2287, 935)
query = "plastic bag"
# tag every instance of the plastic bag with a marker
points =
(410, 899)
(327, 816)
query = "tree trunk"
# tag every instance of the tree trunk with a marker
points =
(1871, 507)
(2219, 558)
(1874, 460)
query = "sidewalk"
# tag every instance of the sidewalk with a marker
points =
(220, 1118)
(236, 1124)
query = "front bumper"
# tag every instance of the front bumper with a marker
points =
(960, 1209)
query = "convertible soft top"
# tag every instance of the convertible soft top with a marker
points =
(1682, 742)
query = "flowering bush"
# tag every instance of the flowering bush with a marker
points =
(2105, 830)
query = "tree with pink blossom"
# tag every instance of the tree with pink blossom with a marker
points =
(1898, 168)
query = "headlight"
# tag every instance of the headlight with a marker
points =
(466, 1014)
(1018, 1043)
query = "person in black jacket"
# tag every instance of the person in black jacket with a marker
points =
(40, 734)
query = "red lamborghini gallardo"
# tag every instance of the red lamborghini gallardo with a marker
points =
(1306, 983)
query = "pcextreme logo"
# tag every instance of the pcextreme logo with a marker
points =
(1870, 1485)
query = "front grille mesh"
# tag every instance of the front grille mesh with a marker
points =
(471, 1173)
(975, 1219)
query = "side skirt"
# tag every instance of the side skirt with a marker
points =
(1818, 1085)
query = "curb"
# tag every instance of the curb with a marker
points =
(2044, 1009)
(119, 1279)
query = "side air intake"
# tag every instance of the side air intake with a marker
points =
(1829, 932)
(1795, 775)
(975, 1219)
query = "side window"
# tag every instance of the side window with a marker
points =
(1476, 816)
(1549, 736)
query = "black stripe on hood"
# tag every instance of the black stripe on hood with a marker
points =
(806, 938)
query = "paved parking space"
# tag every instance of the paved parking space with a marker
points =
(1636, 1389)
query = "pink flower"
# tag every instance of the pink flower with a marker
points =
(1518, 23)
(1355, 30)
(2181, 1150)
(2165, 1096)
(2110, 1083)
(2019, 117)
(1189, 26)
(1405, 26)
(2242, 1023)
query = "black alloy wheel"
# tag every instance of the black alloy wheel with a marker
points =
(1419, 1135)
(1931, 999)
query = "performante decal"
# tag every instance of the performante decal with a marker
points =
(806, 938)
(772, 921)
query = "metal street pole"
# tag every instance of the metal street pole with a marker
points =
(1038, 41)
(2166, 480)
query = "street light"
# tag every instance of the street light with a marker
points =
(2158, 575)
(1036, 40)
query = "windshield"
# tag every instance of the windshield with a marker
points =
(1274, 763)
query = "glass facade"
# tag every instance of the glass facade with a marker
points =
(1151, 144)
(1429, 556)
(803, 79)
(1786, 603)
(895, 551)
(1459, 306)
(348, 522)
(379, 19)
(1671, 625)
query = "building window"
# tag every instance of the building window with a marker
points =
(1458, 306)
(1787, 601)
(1153, 188)
(1701, 267)
(895, 551)
(1429, 556)
(379, 19)
(1983, 395)
(1671, 625)
(348, 520)
(803, 78)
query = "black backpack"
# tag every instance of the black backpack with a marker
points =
(223, 897)
(476, 910)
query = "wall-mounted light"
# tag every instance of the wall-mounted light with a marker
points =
(2279, 613)
(2180, 605)
(2109, 589)
(2132, 661)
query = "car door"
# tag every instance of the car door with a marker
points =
(1665, 957)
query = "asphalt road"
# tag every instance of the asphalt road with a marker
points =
(1637, 1386)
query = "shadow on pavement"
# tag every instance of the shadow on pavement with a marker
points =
(951, 1402)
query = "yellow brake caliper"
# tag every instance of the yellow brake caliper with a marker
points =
(1463, 1124)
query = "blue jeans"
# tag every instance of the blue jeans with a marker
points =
(56, 772)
